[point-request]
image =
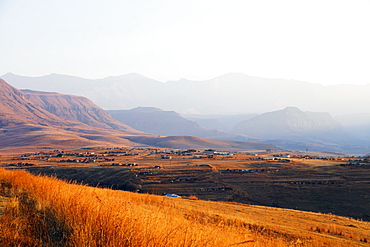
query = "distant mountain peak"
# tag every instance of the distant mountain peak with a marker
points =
(8, 74)
(145, 109)
(292, 124)
(292, 108)
(129, 76)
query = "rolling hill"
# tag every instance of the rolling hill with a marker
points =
(158, 122)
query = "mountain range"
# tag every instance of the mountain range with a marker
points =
(33, 120)
(230, 94)
(135, 103)
(292, 128)
(289, 128)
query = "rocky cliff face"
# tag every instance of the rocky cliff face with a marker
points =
(26, 126)
(75, 108)
(16, 108)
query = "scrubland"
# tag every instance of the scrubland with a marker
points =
(45, 211)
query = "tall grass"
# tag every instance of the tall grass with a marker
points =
(48, 211)
(45, 211)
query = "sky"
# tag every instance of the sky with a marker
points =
(319, 41)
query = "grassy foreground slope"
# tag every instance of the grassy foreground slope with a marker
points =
(45, 211)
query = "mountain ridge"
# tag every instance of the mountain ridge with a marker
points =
(233, 93)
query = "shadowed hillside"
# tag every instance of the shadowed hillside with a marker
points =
(158, 122)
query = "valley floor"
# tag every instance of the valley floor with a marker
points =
(314, 183)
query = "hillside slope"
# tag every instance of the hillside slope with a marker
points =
(17, 109)
(55, 213)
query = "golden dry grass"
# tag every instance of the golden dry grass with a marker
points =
(44, 211)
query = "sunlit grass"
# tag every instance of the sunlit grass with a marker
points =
(45, 211)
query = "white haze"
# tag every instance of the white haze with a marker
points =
(319, 41)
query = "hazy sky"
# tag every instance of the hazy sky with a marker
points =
(320, 41)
